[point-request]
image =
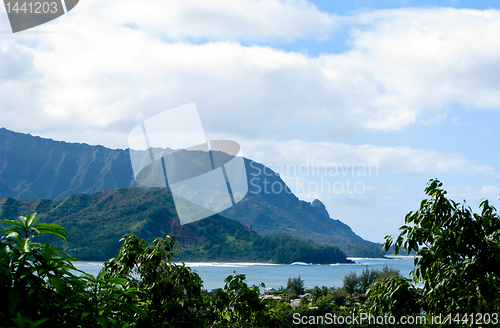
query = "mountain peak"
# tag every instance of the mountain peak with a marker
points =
(34, 168)
(320, 209)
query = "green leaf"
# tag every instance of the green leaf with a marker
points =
(38, 322)
(102, 321)
(20, 320)
(13, 298)
(84, 315)
(57, 283)
(12, 222)
(53, 229)
(30, 220)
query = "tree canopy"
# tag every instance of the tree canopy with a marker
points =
(457, 259)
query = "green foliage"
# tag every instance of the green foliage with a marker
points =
(95, 222)
(395, 295)
(273, 248)
(30, 273)
(284, 248)
(318, 293)
(142, 287)
(238, 305)
(312, 309)
(171, 294)
(295, 287)
(106, 301)
(458, 258)
(339, 296)
(48, 169)
(39, 289)
(355, 284)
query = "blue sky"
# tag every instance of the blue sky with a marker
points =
(410, 88)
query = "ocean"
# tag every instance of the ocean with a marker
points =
(276, 275)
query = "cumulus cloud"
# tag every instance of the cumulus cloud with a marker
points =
(19, 86)
(425, 59)
(287, 155)
(223, 19)
(114, 63)
(474, 194)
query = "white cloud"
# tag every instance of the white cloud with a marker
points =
(474, 194)
(112, 64)
(19, 86)
(287, 156)
(223, 19)
(96, 74)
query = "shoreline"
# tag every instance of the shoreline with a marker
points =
(243, 264)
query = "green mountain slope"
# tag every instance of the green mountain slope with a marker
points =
(271, 212)
(33, 167)
(95, 223)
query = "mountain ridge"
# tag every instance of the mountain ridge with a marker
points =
(95, 223)
(38, 168)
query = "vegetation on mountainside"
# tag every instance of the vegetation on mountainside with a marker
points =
(276, 248)
(56, 170)
(95, 222)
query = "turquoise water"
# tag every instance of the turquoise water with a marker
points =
(276, 275)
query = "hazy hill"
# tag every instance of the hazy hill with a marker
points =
(33, 167)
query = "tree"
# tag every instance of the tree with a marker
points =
(354, 284)
(38, 288)
(457, 257)
(318, 292)
(295, 286)
(351, 283)
(170, 293)
(238, 305)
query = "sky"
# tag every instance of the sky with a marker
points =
(356, 103)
